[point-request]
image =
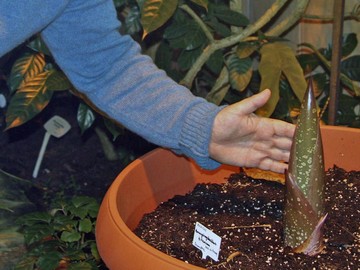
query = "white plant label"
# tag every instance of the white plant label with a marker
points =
(206, 241)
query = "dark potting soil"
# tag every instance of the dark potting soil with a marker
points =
(247, 214)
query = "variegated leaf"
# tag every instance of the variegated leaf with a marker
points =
(24, 68)
(246, 49)
(155, 13)
(30, 99)
(240, 70)
(85, 117)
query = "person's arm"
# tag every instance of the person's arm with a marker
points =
(21, 19)
(125, 84)
(109, 68)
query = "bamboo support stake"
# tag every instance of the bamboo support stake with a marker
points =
(335, 59)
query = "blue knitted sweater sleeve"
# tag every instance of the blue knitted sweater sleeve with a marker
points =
(109, 68)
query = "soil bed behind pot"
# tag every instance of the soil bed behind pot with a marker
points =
(247, 214)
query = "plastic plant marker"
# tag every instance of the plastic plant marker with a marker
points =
(55, 126)
(206, 241)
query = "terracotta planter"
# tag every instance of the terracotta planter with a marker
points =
(158, 176)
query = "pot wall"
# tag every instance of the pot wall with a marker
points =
(158, 176)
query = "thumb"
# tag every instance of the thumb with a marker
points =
(251, 104)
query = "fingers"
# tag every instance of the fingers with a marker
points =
(283, 143)
(251, 104)
(284, 129)
(273, 165)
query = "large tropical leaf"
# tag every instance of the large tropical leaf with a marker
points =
(155, 13)
(308, 62)
(277, 59)
(246, 49)
(57, 81)
(30, 99)
(349, 44)
(188, 36)
(228, 16)
(345, 80)
(351, 67)
(187, 58)
(24, 68)
(240, 70)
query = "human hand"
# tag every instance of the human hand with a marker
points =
(241, 138)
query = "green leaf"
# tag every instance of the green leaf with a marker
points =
(49, 261)
(34, 218)
(349, 44)
(25, 68)
(221, 29)
(246, 49)
(37, 233)
(319, 83)
(132, 21)
(351, 67)
(216, 62)
(63, 223)
(277, 59)
(155, 13)
(225, 14)
(187, 58)
(177, 29)
(240, 70)
(83, 206)
(39, 45)
(57, 81)
(189, 38)
(72, 236)
(85, 225)
(94, 251)
(305, 182)
(345, 80)
(308, 62)
(85, 117)
(30, 99)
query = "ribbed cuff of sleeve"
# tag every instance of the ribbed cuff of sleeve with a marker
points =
(196, 134)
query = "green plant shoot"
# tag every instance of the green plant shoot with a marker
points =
(304, 205)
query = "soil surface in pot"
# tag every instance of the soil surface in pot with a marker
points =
(247, 214)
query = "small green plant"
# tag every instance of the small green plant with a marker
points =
(305, 183)
(62, 237)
